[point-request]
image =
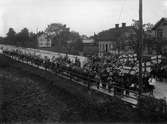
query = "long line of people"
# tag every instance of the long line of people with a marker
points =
(106, 75)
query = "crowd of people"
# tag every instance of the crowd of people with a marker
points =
(102, 73)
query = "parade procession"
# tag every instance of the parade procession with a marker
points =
(116, 74)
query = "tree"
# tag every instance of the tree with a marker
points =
(55, 28)
(148, 27)
(32, 40)
(73, 43)
(11, 36)
(23, 36)
(58, 33)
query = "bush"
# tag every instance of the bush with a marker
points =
(152, 110)
(4, 62)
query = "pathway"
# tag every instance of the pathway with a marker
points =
(160, 91)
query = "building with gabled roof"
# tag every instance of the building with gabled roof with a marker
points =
(160, 29)
(115, 40)
(44, 41)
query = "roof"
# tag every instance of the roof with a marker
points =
(159, 22)
(113, 33)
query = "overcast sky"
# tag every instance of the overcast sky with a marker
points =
(83, 16)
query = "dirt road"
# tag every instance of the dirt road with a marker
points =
(160, 91)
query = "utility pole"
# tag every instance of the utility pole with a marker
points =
(140, 45)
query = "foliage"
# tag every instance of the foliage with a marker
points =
(22, 38)
(152, 110)
(11, 36)
(64, 39)
(148, 26)
(56, 28)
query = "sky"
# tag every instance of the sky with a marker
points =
(84, 16)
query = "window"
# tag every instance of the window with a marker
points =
(159, 34)
(100, 46)
(106, 47)
(103, 46)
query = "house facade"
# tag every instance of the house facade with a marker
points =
(90, 47)
(160, 29)
(116, 40)
(44, 41)
(105, 47)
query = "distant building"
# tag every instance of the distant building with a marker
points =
(106, 47)
(44, 41)
(90, 47)
(160, 29)
(115, 40)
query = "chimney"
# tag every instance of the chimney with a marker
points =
(123, 25)
(116, 25)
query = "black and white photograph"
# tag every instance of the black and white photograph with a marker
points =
(83, 61)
